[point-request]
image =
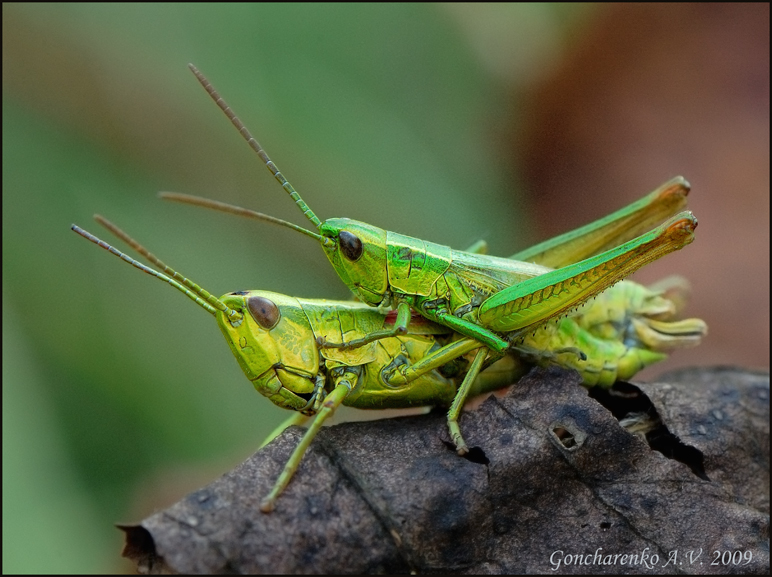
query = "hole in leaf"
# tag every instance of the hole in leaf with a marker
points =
(625, 400)
(566, 438)
(477, 455)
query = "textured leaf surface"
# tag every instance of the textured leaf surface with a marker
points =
(553, 474)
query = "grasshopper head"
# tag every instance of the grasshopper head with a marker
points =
(274, 345)
(358, 254)
(269, 333)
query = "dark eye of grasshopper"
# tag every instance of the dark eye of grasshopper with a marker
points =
(265, 312)
(350, 245)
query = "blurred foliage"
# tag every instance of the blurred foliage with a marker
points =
(112, 382)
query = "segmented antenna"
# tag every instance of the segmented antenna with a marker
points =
(194, 292)
(232, 209)
(255, 146)
(210, 298)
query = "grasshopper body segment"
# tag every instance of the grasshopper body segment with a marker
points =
(628, 328)
(415, 266)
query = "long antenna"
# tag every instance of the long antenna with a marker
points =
(210, 298)
(194, 292)
(230, 208)
(255, 146)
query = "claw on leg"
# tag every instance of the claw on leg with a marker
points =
(458, 439)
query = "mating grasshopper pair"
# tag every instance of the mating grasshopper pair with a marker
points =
(312, 356)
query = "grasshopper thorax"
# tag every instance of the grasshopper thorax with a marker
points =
(358, 253)
(274, 346)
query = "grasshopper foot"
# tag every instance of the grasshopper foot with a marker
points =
(267, 504)
(458, 439)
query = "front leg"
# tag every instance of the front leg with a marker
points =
(296, 419)
(400, 328)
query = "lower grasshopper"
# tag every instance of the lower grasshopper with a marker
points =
(275, 341)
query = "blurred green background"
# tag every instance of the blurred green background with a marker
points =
(119, 395)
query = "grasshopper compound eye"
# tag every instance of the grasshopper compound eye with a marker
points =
(350, 245)
(264, 311)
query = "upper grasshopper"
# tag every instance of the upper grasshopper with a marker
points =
(495, 301)
(275, 338)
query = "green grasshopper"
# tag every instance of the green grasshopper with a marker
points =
(485, 297)
(558, 252)
(275, 341)
(605, 321)
(495, 301)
